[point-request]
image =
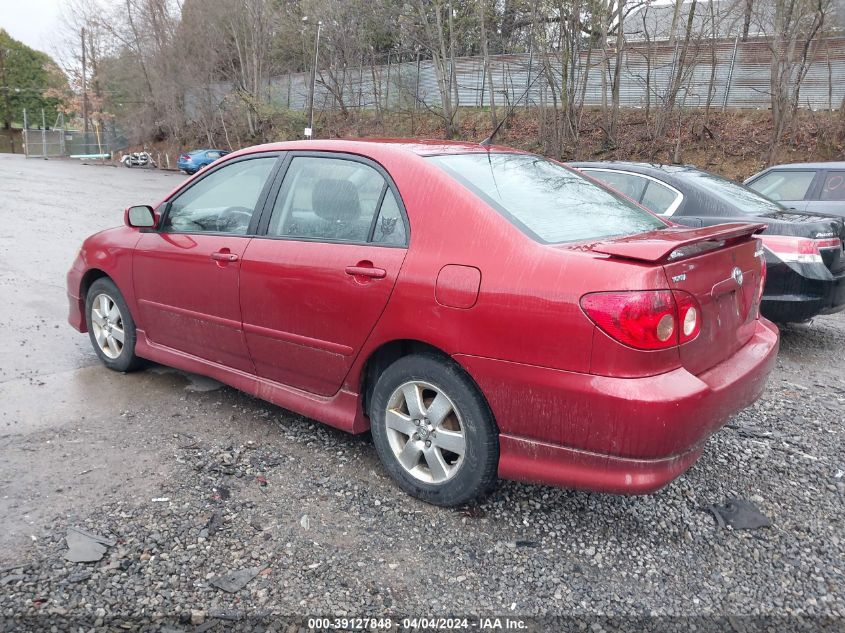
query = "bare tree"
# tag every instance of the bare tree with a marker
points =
(797, 26)
(437, 36)
(485, 55)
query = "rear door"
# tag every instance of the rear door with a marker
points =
(186, 273)
(316, 280)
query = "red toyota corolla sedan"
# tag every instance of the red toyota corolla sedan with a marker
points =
(484, 312)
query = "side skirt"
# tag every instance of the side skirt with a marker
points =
(341, 410)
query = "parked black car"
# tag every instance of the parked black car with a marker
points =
(811, 187)
(804, 251)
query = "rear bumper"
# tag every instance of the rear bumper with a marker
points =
(790, 297)
(619, 435)
(538, 462)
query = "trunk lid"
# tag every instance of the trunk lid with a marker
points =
(817, 226)
(720, 266)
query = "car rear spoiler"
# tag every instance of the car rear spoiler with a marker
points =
(676, 242)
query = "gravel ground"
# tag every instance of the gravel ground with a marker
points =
(233, 484)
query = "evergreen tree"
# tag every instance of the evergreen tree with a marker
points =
(25, 76)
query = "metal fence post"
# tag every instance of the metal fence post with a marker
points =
(730, 75)
(43, 134)
(62, 148)
(25, 134)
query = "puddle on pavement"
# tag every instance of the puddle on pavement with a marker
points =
(196, 383)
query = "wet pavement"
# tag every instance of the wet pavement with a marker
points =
(58, 403)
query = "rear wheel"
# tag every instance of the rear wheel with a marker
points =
(433, 431)
(110, 326)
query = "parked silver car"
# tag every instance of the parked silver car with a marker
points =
(813, 187)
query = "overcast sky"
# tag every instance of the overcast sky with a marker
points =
(33, 22)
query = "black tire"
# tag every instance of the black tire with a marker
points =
(124, 358)
(475, 474)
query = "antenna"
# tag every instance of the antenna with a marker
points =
(487, 142)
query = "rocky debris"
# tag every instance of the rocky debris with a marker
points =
(84, 546)
(739, 514)
(236, 580)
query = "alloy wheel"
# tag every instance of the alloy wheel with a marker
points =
(425, 432)
(107, 324)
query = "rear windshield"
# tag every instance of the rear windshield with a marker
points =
(744, 198)
(545, 200)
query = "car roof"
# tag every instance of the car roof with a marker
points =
(834, 164)
(632, 166)
(424, 147)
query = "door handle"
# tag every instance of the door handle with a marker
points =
(221, 256)
(366, 271)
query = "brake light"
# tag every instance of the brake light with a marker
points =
(646, 319)
(184, 157)
(801, 250)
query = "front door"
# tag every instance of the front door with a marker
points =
(186, 272)
(314, 285)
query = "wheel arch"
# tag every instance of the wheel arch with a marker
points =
(389, 352)
(91, 275)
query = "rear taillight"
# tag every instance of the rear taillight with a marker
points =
(647, 319)
(689, 316)
(801, 250)
(184, 157)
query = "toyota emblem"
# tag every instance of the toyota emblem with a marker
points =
(736, 274)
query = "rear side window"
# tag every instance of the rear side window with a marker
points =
(545, 200)
(784, 184)
(632, 186)
(834, 186)
(390, 227)
(659, 198)
(327, 199)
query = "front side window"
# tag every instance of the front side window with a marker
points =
(328, 199)
(223, 201)
(545, 200)
(782, 184)
(834, 186)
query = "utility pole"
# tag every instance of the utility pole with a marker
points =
(84, 89)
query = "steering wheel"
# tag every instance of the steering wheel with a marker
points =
(234, 217)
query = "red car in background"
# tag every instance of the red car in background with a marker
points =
(487, 313)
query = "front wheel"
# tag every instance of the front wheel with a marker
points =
(433, 431)
(110, 326)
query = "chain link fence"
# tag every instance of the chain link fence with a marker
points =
(727, 73)
(41, 141)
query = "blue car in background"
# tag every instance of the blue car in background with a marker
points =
(192, 162)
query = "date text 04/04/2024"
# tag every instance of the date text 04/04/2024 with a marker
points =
(418, 624)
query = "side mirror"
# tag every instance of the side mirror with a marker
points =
(140, 217)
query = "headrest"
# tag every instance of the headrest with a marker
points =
(335, 200)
